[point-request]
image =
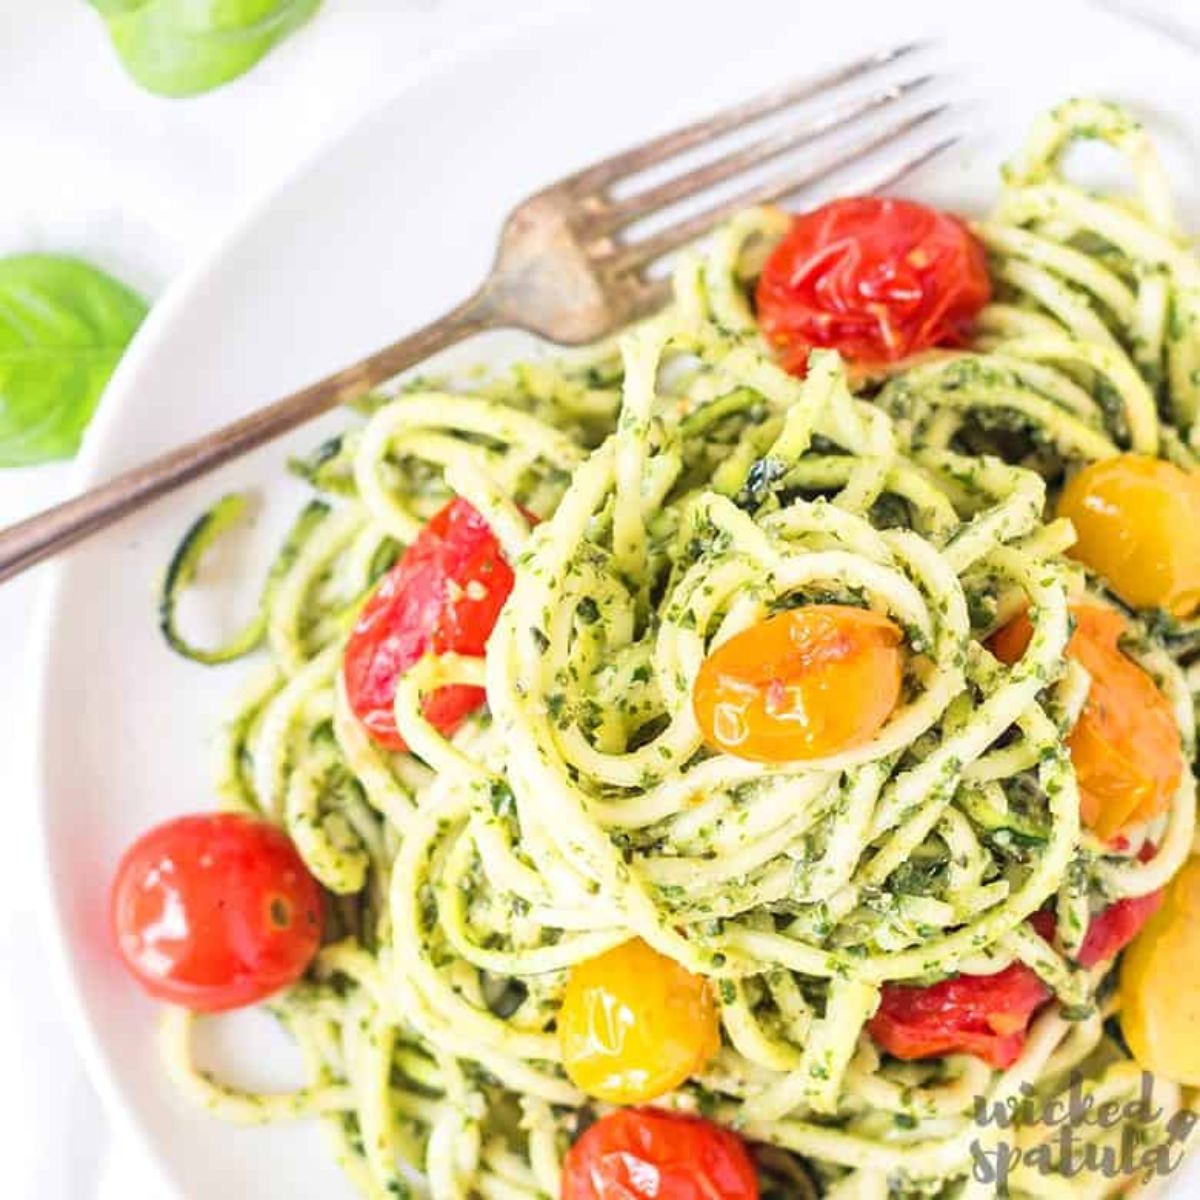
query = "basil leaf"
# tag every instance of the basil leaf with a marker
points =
(63, 327)
(183, 47)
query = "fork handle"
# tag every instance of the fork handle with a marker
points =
(45, 534)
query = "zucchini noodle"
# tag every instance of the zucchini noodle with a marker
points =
(686, 488)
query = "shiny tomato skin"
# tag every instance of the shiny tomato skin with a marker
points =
(443, 596)
(984, 1015)
(215, 912)
(802, 684)
(1126, 746)
(645, 1154)
(634, 1024)
(875, 279)
(1137, 521)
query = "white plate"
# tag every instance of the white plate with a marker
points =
(390, 226)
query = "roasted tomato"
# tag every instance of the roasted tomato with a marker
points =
(642, 1154)
(989, 1015)
(215, 912)
(634, 1024)
(1138, 523)
(984, 1015)
(875, 279)
(802, 684)
(1126, 747)
(1113, 929)
(1160, 984)
(443, 596)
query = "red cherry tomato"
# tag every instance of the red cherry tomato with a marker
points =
(984, 1015)
(873, 278)
(215, 912)
(989, 1015)
(443, 596)
(644, 1154)
(1113, 929)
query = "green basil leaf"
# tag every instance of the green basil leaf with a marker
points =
(183, 47)
(63, 327)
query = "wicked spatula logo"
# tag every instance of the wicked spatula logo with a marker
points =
(1078, 1133)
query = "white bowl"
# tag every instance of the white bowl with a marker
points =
(390, 226)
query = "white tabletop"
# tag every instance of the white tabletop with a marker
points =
(141, 186)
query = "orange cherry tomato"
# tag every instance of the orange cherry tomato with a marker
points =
(877, 279)
(1126, 747)
(803, 684)
(634, 1024)
(1160, 984)
(641, 1154)
(1138, 522)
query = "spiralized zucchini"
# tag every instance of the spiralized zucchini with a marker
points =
(688, 487)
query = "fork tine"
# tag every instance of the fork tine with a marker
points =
(893, 174)
(636, 158)
(632, 255)
(620, 213)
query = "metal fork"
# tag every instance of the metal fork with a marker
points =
(568, 267)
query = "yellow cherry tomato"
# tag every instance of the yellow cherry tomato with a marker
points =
(1138, 522)
(634, 1024)
(803, 684)
(1160, 984)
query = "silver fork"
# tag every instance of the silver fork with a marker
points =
(568, 268)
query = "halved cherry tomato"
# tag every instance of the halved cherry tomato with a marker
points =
(875, 279)
(643, 1154)
(1160, 984)
(634, 1024)
(443, 596)
(989, 1015)
(1138, 525)
(1126, 747)
(802, 684)
(215, 912)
